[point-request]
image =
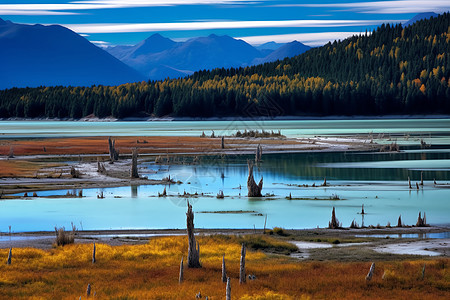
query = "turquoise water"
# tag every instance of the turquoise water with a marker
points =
(377, 180)
(383, 191)
(426, 128)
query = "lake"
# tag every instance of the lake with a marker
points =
(377, 180)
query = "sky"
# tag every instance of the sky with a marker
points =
(127, 22)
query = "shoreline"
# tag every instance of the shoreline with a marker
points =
(232, 118)
(317, 244)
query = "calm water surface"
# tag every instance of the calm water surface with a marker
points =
(377, 180)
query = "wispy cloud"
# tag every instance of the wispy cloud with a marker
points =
(182, 26)
(310, 39)
(69, 7)
(385, 7)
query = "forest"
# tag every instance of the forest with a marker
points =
(392, 70)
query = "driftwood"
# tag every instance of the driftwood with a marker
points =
(224, 270)
(228, 292)
(421, 222)
(399, 222)
(180, 277)
(371, 271)
(8, 262)
(134, 168)
(113, 153)
(93, 255)
(242, 265)
(254, 190)
(334, 223)
(194, 248)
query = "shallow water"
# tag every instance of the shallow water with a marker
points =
(383, 191)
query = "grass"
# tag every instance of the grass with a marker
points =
(150, 271)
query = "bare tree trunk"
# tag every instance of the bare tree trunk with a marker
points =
(113, 153)
(193, 250)
(254, 190)
(371, 271)
(223, 142)
(421, 178)
(258, 154)
(242, 265)
(228, 293)
(224, 270)
(180, 278)
(134, 168)
(399, 222)
(409, 182)
(93, 255)
(9, 256)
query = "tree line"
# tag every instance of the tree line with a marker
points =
(392, 70)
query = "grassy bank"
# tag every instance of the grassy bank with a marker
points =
(150, 271)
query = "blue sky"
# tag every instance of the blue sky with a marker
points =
(313, 22)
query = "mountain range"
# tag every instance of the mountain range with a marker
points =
(37, 55)
(158, 57)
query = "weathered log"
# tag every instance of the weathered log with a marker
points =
(228, 292)
(254, 190)
(193, 249)
(242, 265)
(334, 223)
(224, 270)
(134, 168)
(93, 255)
(180, 277)
(371, 271)
(8, 262)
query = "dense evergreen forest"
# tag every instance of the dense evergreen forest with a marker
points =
(393, 70)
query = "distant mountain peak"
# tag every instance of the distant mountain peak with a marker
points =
(421, 16)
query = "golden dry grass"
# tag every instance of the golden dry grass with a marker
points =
(150, 271)
(21, 168)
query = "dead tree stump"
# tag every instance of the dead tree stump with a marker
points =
(88, 290)
(228, 293)
(224, 270)
(93, 255)
(421, 222)
(334, 223)
(8, 262)
(258, 154)
(194, 248)
(399, 222)
(409, 183)
(180, 277)
(223, 142)
(371, 271)
(421, 178)
(242, 265)
(113, 153)
(134, 168)
(254, 190)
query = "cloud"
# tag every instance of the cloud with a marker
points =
(385, 7)
(182, 26)
(310, 39)
(60, 8)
